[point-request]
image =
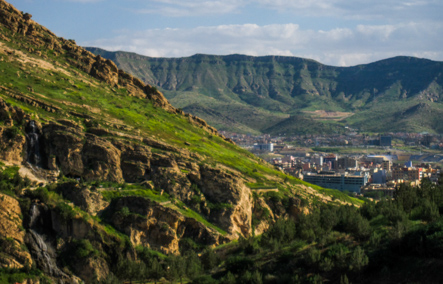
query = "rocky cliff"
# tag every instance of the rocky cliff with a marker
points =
(114, 169)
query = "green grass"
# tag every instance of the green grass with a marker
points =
(153, 195)
(183, 209)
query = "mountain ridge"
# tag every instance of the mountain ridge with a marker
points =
(99, 171)
(280, 86)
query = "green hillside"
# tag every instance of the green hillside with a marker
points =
(101, 176)
(103, 181)
(231, 88)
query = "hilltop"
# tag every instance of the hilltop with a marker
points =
(278, 94)
(98, 171)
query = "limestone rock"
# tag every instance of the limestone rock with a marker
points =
(264, 216)
(221, 187)
(157, 98)
(92, 270)
(89, 201)
(150, 224)
(135, 160)
(66, 145)
(12, 234)
(105, 70)
(102, 160)
(172, 180)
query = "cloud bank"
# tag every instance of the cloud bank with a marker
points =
(337, 46)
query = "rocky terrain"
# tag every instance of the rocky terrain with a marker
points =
(97, 167)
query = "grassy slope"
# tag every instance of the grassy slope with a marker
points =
(78, 92)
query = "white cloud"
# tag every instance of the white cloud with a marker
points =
(177, 8)
(340, 46)
(358, 9)
(85, 1)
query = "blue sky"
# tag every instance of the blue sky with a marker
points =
(334, 32)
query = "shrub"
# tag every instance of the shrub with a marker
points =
(65, 211)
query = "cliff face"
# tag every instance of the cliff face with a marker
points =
(12, 234)
(147, 222)
(65, 147)
(116, 166)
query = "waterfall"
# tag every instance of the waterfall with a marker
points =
(39, 246)
(32, 134)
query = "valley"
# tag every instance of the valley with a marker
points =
(103, 180)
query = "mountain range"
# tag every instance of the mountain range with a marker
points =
(277, 94)
(100, 173)
(102, 180)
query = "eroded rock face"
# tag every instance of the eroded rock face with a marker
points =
(92, 270)
(12, 234)
(65, 144)
(150, 224)
(263, 216)
(105, 70)
(166, 175)
(102, 160)
(82, 155)
(89, 201)
(135, 161)
(224, 188)
(12, 143)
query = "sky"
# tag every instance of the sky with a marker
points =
(333, 32)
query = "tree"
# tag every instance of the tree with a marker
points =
(228, 279)
(193, 265)
(358, 259)
(209, 259)
(344, 279)
(156, 270)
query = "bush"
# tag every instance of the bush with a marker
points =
(12, 132)
(85, 249)
(239, 264)
(40, 193)
(206, 279)
(65, 211)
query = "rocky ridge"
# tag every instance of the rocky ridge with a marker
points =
(94, 65)
(112, 185)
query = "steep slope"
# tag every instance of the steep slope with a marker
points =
(112, 169)
(288, 85)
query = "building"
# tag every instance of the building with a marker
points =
(346, 163)
(385, 141)
(341, 182)
(318, 161)
(382, 188)
(407, 174)
(386, 165)
(269, 147)
(331, 158)
(379, 177)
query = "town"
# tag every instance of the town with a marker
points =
(359, 164)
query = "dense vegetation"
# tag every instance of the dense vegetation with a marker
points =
(386, 241)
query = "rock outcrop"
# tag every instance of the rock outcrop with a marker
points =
(150, 224)
(12, 142)
(224, 188)
(12, 234)
(88, 200)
